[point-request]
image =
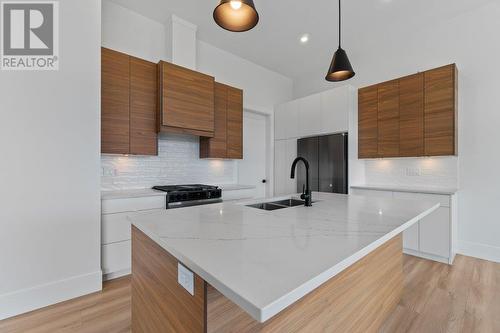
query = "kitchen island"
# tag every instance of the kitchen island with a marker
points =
(336, 266)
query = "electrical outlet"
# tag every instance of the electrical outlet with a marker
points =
(109, 172)
(185, 278)
(413, 172)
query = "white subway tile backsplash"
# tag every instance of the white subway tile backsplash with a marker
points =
(428, 171)
(177, 162)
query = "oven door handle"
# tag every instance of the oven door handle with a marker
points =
(179, 204)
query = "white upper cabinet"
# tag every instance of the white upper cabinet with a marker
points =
(310, 115)
(335, 106)
(318, 114)
(286, 121)
(324, 113)
(280, 122)
(292, 120)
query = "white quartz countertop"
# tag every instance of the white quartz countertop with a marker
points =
(410, 189)
(265, 261)
(147, 192)
(236, 187)
(124, 194)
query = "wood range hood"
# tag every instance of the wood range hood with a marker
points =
(186, 101)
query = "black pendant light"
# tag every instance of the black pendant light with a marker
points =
(236, 15)
(340, 68)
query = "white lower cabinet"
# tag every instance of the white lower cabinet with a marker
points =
(116, 255)
(435, 232)
(115, 227)
(411, 238)
(116, 259)
(433, 237)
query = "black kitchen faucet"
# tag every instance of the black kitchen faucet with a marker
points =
(306, 190)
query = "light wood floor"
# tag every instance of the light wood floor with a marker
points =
(464, 297)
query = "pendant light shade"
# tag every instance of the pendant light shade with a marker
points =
(236, 15)
(340, 68)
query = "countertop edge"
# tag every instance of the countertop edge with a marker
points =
(129, 194)
(269, 311)
(148, 192)
(448, 191)
(282, 303)
(236, 187)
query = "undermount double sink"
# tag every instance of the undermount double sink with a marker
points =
(274, 205)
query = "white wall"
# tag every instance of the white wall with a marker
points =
(132, 33)
(49, 137)
(470, 41)
(262, 88)
(126, 31)
(183, 42)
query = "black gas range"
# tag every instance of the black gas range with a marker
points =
(190, 195)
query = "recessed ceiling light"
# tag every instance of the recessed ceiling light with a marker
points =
(304, 38)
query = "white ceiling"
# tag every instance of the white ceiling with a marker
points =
(274, 42)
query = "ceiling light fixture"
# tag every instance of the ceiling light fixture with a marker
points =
(235, 4)
(340, 68)
(236, 15)
(304, 38)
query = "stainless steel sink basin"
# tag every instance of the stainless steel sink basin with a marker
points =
(289, 202)
(266, 206)
(278, 204)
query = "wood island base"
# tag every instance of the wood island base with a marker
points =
(359, 299)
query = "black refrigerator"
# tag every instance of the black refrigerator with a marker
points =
(327, 157)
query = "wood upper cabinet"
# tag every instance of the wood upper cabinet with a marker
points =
(186, 100)
(234, 123)
(440, 111)
(368, 122)
(115, 106)
(388, 119)
(228, 135)
(216, 147)
(410, 117)
(143, 105)
(128, 104)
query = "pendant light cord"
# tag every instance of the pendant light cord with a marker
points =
(340, 25)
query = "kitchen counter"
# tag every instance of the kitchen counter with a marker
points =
(264, 261)
(236, 187)
(409, 189)
(137, 193)
(147, 192)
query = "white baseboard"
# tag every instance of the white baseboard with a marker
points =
(25, 300)
(427, 256)
(116, 275)
(481, 251)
